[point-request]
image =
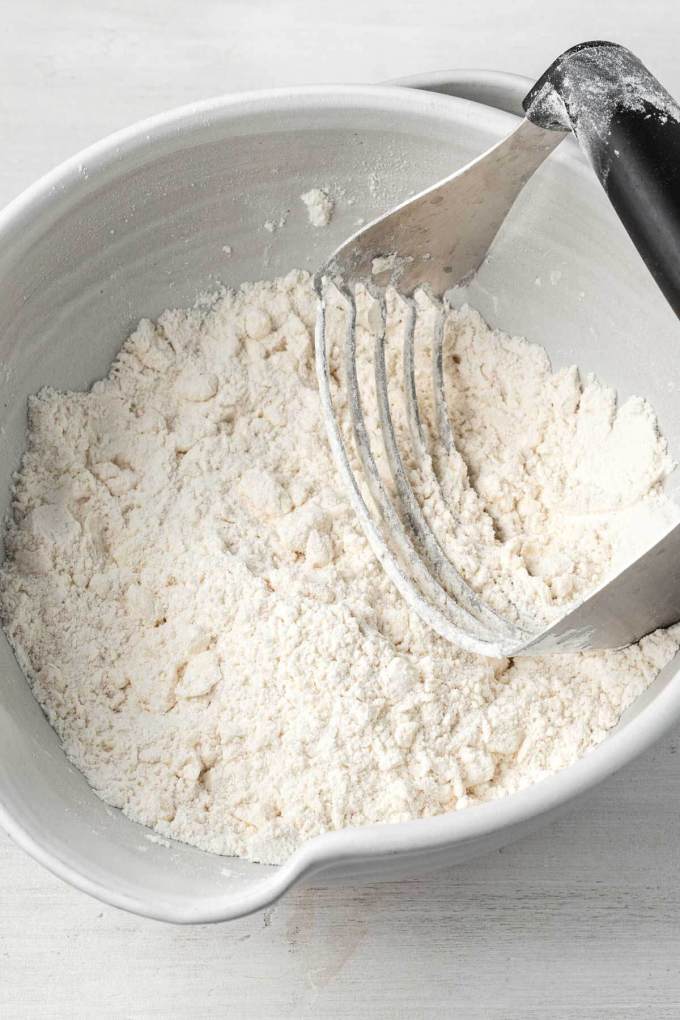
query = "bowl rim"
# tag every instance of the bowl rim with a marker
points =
(503, 90)
(368, 843)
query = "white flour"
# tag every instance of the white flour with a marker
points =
(319, 207)
(207, 630)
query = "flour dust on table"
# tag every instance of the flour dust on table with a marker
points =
(206, 627)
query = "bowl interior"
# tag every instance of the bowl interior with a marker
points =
(140, 223)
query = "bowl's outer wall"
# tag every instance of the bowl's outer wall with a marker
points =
(139, 224)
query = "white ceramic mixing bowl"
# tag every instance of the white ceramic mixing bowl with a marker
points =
(138, 223)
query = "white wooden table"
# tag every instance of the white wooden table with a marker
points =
(580, 921)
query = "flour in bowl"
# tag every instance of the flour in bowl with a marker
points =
(205, 626)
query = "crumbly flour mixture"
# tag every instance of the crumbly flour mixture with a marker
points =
(208, 631)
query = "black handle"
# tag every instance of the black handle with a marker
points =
(629, 128)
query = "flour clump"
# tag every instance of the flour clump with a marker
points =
(319, 206)
(206, 628)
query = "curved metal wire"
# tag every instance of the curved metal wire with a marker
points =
(430, 549)
(403, 542)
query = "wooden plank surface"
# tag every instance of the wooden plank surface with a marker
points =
(581, 920)
(578, 921)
